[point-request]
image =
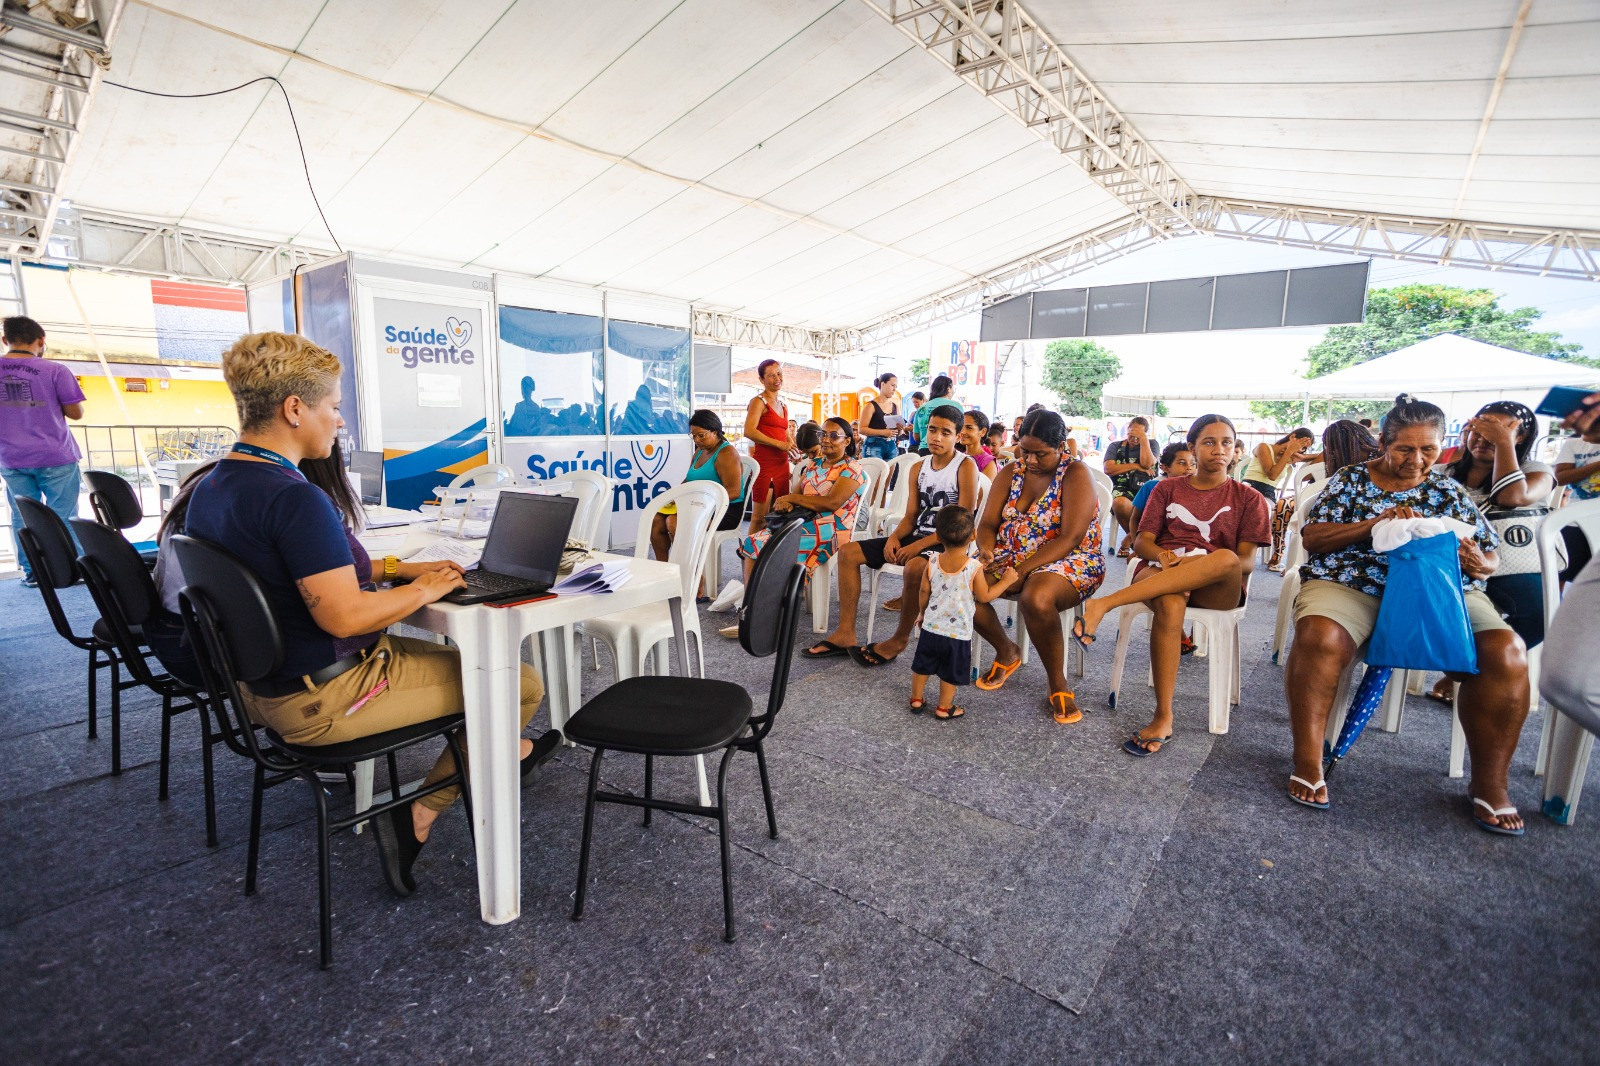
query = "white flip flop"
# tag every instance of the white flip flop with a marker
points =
(1491, 827)
(1314, 789)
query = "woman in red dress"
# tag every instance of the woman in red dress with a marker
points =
(766, 426)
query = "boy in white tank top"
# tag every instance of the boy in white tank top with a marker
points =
(952, 586)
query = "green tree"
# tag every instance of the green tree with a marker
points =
(918, 373)
(1077, 372)
(1402, 316)
(1162, 410)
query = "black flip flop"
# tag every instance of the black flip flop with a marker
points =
(830, 650)
(1080, 634)
(865, 656)
(955, 711)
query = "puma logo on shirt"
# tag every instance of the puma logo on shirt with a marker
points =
(1181, 513)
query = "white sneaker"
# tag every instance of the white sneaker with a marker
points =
(728, 599)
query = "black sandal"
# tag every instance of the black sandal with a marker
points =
(866, 656)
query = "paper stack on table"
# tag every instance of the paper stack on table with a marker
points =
(596, 577)
(467, 553)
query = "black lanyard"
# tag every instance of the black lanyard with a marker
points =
(268, 454)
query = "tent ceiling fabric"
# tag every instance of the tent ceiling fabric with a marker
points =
(1370, 105)
(803, 162)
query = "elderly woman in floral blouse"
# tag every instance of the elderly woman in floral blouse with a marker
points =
(1342, 587)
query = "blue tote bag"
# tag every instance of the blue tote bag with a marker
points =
(1422, 621)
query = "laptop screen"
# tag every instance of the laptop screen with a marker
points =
(528, 535)
(370, 466)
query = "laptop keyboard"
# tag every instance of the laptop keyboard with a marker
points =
(489, 582)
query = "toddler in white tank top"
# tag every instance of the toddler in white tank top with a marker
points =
(952, 587)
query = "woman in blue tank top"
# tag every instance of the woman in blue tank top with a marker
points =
(714, 460)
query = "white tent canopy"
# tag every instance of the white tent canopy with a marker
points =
(1443, 364)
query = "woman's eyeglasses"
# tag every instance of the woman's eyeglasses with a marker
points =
(835, 436)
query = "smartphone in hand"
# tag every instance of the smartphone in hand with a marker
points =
(1562, 400)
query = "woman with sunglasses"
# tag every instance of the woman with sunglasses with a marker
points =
(830, 495)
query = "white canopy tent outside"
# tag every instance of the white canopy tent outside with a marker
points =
(1457, 373)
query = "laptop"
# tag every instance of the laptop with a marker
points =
(368, 466)
(523, 552)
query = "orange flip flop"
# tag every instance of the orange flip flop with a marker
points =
(1064, 708)
(999, 673)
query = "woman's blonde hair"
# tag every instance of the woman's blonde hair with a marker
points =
(264, 369)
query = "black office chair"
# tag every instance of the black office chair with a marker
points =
(48, 544)
(237, 640)
(127, 598)
(659, 715)
(116, 505)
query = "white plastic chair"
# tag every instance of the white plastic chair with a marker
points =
(984, 485)
(1221, 630)
(879, 469)
(1294, 556)
(1394, 696)
(632, 634)
(593, 491)
(1308, 475)
(1564, 745)
(892, 496)
(821, 590)
(1111, 537)
(487, 474)
(720, 537)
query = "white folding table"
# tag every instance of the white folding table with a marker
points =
(490, 640)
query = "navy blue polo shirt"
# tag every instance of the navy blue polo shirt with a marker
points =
(283, 528)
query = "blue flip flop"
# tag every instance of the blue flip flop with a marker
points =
(1135, 745)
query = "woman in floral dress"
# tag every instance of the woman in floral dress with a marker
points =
(830, 489)
(1046, 524)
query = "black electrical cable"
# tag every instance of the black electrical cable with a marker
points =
(304, 162)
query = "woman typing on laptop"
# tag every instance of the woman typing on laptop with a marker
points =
(342, 676)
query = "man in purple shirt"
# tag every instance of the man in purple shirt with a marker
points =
(38, 457)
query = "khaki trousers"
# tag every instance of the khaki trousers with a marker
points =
(424, 683)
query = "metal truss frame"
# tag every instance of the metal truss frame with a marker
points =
(723, 328)
(108, 241)
(1111, 241)
(997, 48)
(70, 60)
(1556, 253)
(127, 245)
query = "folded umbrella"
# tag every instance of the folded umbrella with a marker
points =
(1363, 706)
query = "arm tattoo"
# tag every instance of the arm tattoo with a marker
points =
(305, 594)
